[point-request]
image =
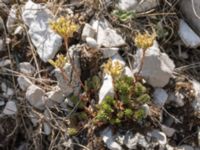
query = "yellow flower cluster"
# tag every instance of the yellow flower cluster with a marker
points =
(59, 62)
(64, 26)
(115, 69)
(145, 40)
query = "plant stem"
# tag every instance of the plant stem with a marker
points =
(142, 61)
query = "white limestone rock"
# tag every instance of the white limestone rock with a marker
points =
(157, 68)
(188, 36)
(35, 96)
(137, 5)
(26, 68)
(109, 52)
(23, 82)
(146, 5)
(127, 4)
(128, 72)
(131, 140)
(106, 36)
(160, 97)
(108, 139)
(88, 31)
(107, 88)
(91, 42)
(10, 108)
(118, 58)
(46, 41)
(109, 38)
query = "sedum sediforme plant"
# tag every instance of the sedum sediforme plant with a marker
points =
(144, 41)
(126, 104)
(64, 26)
(114, 69)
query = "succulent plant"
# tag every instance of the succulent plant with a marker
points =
(126, 104)
(145, 40)
(114, 69)
(60, 61)
(64, 26)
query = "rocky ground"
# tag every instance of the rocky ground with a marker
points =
(98, 74)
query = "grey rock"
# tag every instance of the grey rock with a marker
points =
(168, 131)
(158, 137)
(108, 139)
(88, 31)
(23, 82)
(109, 52)
(5, 62)
(157, 68)
(109, 38)
(106, 36)
(46, 41)
(68, 102)
(2, 45)
(160, 97)
(127, 4)
(10, 108)
(188, 36)
(2, 102)
(137, 6)
(91, 42)
(46, 126)
(190, 13)
(65, 82)
(131, 140)
(177, 98)
(146, 5)
(26, 68)
(56, 95)
(12, 19)
(35, 96)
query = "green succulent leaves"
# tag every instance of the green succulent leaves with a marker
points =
(126, 104)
